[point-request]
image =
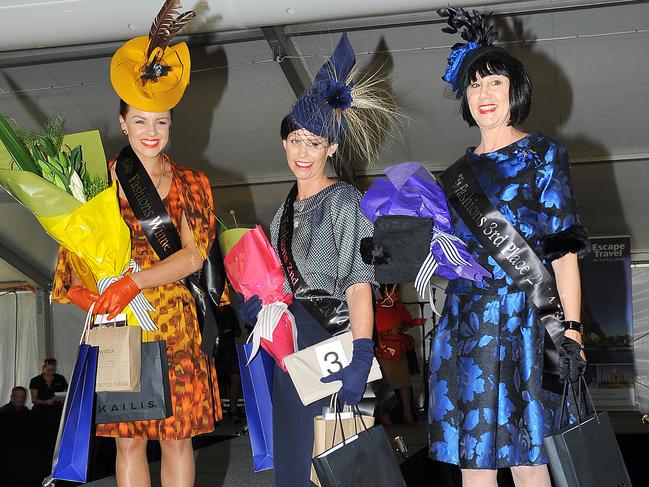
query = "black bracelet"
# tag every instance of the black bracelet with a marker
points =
(573, 325)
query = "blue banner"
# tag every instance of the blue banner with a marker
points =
(607, 315)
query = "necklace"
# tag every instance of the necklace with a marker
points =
(162, 175)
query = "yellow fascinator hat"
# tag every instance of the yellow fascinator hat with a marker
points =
(146, 72)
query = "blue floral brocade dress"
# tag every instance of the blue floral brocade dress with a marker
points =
(487, 409)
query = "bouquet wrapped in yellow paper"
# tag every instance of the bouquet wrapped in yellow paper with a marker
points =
(90, 227)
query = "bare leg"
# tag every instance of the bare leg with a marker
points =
(177, 468)
(406, 404)
(531, 476)
(131, 466)
(479, 478)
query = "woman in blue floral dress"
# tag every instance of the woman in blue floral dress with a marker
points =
(487, 408)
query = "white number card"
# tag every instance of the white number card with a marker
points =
(331, 357)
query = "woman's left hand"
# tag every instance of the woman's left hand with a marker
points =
(572, 361)
(354, 376)
(116, 297)
(576, 336)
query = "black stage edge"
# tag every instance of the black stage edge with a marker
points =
(27, 445)
(419, 471)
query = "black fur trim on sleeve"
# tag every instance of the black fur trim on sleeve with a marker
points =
(572, 240)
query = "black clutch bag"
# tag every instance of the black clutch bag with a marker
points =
(399, 247)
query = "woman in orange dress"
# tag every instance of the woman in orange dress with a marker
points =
(145, 118)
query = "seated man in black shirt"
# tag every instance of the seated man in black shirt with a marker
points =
(43, 387)
(16, 402)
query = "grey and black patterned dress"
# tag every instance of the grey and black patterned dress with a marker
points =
(328, 228)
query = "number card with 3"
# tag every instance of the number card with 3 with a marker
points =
(331, 357)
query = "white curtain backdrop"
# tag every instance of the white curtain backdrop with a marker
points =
(19, 335)
(67, 324)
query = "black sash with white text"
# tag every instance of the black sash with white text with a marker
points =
(513, 254)
(163, 236)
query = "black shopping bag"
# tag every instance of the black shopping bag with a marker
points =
(364, 459)
(586, 454)
(153, 401)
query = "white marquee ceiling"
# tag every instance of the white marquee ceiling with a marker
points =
(589, 66)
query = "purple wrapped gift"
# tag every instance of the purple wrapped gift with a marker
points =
(411, 190)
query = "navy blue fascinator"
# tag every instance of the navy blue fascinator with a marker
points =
(346, 106)
(479, 37)
(319, 110)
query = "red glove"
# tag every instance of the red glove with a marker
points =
(82, 297)
(116, 296)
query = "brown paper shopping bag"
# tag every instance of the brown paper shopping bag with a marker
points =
(120, 356)
(327, 431)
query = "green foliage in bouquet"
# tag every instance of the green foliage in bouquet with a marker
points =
(44, 154)
(16, 148)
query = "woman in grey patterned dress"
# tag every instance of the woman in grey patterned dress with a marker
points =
(321, 226)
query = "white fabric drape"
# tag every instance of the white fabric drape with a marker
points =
(67, 325)
(18, 342)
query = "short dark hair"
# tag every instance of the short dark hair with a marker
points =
(123, 109)
(288, 125)
(491, 61)
(49, 361)
(18, 388)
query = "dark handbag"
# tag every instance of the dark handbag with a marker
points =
(205, 286)
(514, 255)
(585, 454)
(332, 313)
(345, 465)
(401, 244)
(154, 399)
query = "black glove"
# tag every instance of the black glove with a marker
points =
(571, 365)
(249, 309)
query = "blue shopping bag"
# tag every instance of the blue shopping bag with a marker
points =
(257, 385)
(73, 444)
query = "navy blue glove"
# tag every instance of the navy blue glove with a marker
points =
(354, 376)
(571, 365)
(249, 309)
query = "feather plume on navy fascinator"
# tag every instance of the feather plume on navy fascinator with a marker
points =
(345, 107)
(479, 37)
(319, 109)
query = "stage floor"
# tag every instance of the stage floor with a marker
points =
(227, 462)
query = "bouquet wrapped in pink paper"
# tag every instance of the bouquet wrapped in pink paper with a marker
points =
(253, 267)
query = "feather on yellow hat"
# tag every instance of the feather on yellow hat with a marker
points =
(148, 74)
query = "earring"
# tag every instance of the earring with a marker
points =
(124, 132)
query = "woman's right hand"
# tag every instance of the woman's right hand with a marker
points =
(249, 309)
(82, 297)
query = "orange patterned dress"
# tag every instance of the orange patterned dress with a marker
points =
(194, 395)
